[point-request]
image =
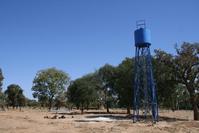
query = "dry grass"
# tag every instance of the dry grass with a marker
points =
(33, 121)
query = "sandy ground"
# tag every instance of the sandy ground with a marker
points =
(33, 121)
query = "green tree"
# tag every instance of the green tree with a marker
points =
(107, 75)
(21, 100)
(14, 95)
(1, 79)
(124, 83)
(186, 66)
(32, 103)
(184, 70)
(2, 96)
(60, 100)
(83, 92)
(2, 101)
(49, 84)
(181, 96)
(165, 79)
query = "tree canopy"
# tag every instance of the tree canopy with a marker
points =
(49, 84)
(175, 71)
(165, 79)
(107, 75)
(2, 96)
(186, 66)
(124, 83)
(83, 91)
(15, 96)
(1, 79)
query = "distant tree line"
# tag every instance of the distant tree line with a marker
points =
(176, 78)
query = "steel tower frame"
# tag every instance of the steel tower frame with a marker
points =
(145, 95)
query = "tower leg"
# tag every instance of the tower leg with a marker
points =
(145, 95)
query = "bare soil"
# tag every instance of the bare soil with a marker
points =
(33, 121)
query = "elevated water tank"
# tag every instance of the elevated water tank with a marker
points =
(142, 37)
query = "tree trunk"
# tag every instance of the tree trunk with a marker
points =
(196, 112)
(107, 107)
(2, 107)
(195, 108)
(129, 109)
(107, 104)
(194, 101)
(82, 109)
(71, 107)
(98, 106)
(50, 104)
(87, 106)
(77, 107)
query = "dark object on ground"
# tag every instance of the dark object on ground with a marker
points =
(54, 117)
(46, 117)
(62, 117)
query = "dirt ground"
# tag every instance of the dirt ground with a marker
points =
(33, 121)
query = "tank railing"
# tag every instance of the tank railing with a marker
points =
(140, 24)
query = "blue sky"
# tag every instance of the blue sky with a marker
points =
(79, 36)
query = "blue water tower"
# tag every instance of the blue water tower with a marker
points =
(142, 37)
(145, 96)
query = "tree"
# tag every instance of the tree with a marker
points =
(14, 95)
(2, 101)
(83, 91)
(107, 74)
(2, 96)
(165, 79)
(185, 69)
(124, 83)
(21, 100)
(181, 97)
(186, 66)
(49, 84)
(1, 79)
(32, 103)
(60, 100)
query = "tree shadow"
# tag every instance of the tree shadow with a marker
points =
(170, 119)
(87, 112)
(110, 116)
(142, 118)
(67, 113)
(95, 112)
(120, 116)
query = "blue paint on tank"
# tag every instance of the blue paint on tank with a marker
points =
(142, 37)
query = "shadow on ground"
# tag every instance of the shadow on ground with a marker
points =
(89, 112)
(141, 118)
(114, 116)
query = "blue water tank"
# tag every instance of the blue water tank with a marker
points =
(142, 37)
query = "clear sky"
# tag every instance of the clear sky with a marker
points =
(79, 36)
